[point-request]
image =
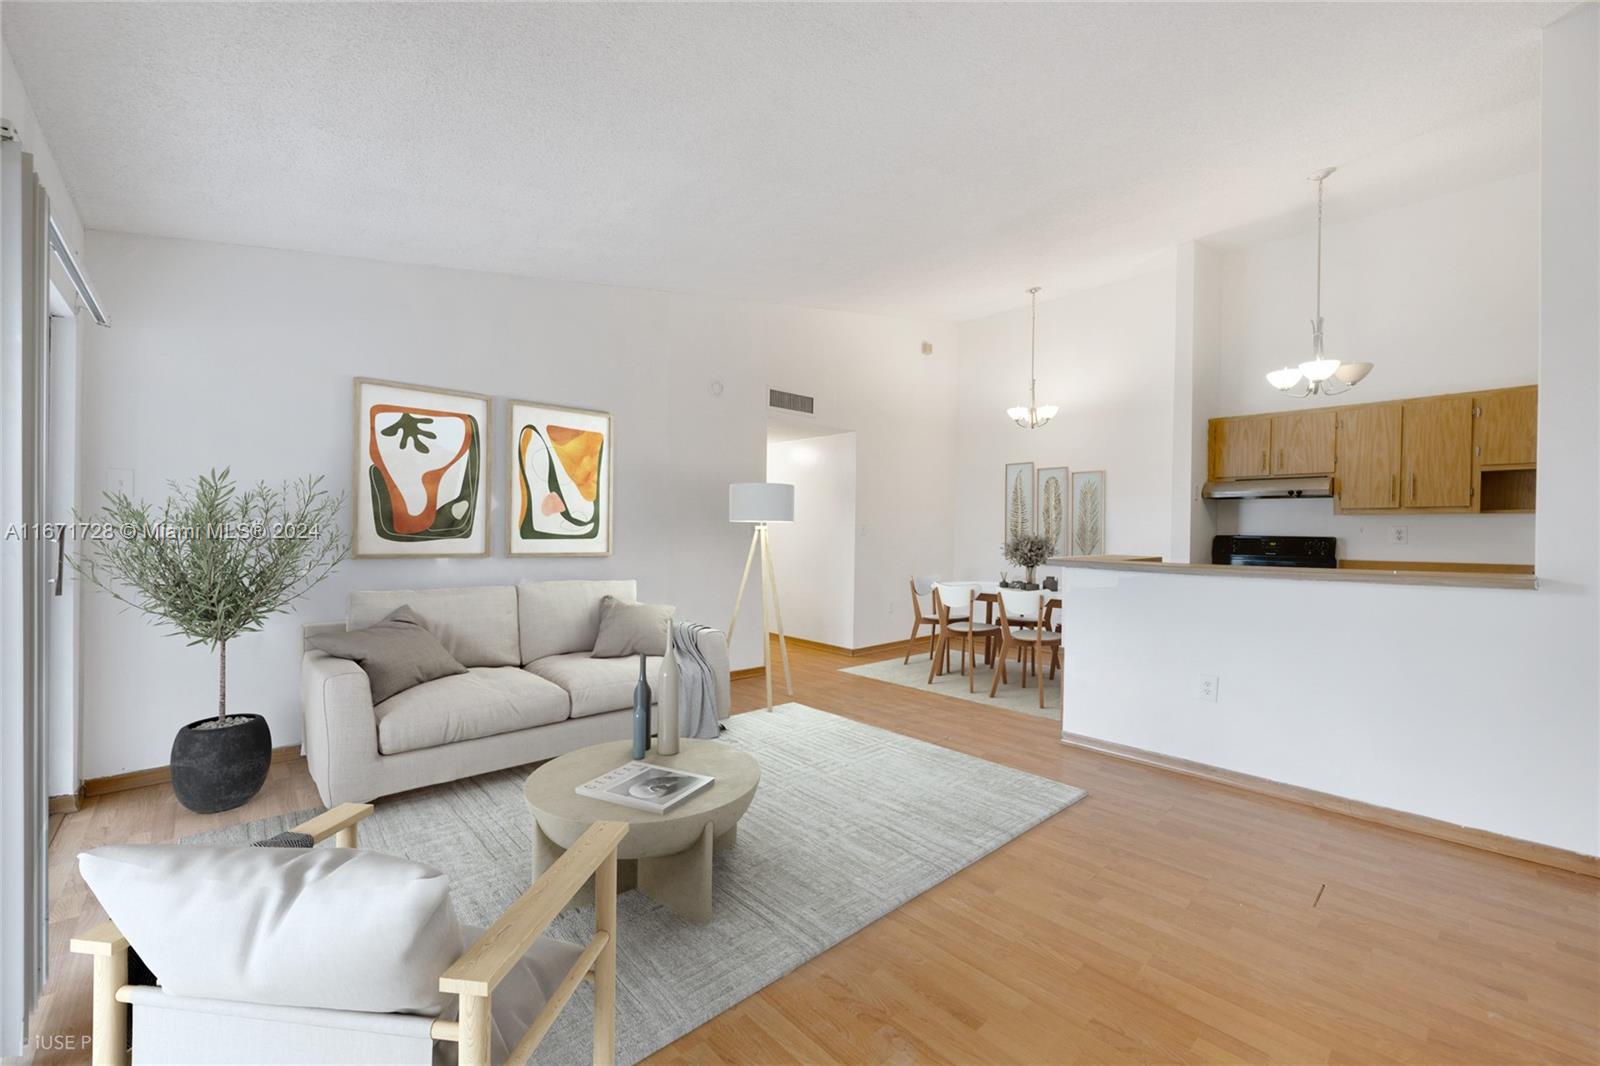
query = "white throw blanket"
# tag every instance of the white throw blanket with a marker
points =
(697, 684)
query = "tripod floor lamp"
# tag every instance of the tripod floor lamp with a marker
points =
(760, 502)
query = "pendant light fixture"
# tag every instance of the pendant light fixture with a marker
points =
(1319, 375)
(1032, 416)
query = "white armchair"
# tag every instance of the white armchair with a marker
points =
(511, 959)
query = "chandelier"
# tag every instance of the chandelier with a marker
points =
(1319, 375)
(1032, 416)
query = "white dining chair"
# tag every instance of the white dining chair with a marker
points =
(923, 613)
(1022, 629)
(955, 605)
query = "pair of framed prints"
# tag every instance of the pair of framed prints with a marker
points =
(422, 475)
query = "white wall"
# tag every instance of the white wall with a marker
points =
(1195, 363)
(1106, 358)
(1474, 706)
(815, 555)
(874, 380)
(1442, 295)
(243, 357)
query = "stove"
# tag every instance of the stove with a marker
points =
(1274, 551)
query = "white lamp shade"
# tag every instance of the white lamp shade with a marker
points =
(1319, 370)
(1284, 379)
(760, 501)
(1351, 373)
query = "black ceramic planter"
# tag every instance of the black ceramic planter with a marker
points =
(219, 769)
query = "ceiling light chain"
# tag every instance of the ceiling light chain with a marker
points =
(1032, 416)
(1318, 375)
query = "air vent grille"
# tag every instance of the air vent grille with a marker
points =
(791, 401)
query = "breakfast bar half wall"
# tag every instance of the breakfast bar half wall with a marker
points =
(1462, 703)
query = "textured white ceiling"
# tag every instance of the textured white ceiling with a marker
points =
(928, 159)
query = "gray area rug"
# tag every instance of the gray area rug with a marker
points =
(849, 822)
(1010, 696)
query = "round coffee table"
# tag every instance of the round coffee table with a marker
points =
(665, 856)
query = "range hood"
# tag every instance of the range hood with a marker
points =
(1270, 488)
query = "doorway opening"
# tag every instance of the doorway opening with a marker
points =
(815, 555)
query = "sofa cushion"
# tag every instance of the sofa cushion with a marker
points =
(631, 628)
(598, 685)
(396, 653)
(555, 617)
(483, 702)
(476, 625)
(337, 928)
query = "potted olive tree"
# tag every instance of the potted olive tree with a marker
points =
(212, 563)
(1030, 551)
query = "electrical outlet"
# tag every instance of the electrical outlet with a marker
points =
(1207, 688)
(1399, 534)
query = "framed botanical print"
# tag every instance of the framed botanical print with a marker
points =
(1018, 500)
(1054, 503)
(1089, 512)
(421, 471)
(560, 501)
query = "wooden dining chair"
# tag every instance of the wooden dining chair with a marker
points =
(1024, 629)
(958, 619)
(921, 593)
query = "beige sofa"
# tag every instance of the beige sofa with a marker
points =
(531, 690)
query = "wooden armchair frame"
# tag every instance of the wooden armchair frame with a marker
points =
(472, 977)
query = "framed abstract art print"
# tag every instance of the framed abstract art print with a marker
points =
(421, 471)
(560, 501)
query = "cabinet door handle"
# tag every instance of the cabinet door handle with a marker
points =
(1394, 491)
(1280, 458)
(1413, 487)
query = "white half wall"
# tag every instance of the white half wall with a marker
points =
(815, 555)
(1106, 358)
(244, 357)
(1442, 294)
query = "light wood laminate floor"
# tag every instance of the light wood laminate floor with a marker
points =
(1162, 919)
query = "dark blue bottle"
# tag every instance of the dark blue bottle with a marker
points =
(641, 714)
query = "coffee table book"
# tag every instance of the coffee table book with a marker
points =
(645, 786)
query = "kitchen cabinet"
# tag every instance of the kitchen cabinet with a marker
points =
(1437, 452)
(1469, 452)
(1506, 426)
(1303, 443)
(1239, 447)
(1368, 457)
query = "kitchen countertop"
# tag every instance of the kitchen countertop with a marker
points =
(1484, 579)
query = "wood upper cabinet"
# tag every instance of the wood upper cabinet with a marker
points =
(1240, 447)
(1506, 426)
(1303, 443)
(1369, 457)
(1437, 436)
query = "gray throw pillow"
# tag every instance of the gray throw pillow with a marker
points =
(631, 629)
(397, 653)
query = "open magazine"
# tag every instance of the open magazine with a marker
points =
(645, 786)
